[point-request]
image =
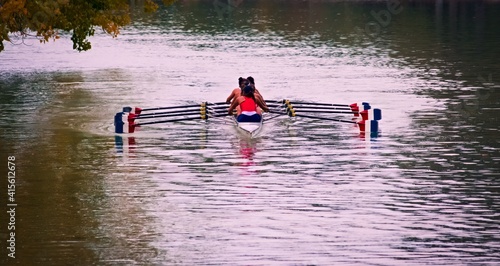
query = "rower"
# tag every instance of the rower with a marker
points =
(248, 111)
(237, 91)
(257, 94)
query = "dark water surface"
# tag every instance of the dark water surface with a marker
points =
(305, 192)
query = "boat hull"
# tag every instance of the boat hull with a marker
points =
(249, 128)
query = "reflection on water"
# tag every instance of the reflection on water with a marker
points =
(247, 150)
(306, 191)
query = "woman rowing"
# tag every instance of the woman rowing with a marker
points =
(242, 82)
(248, 111)
(257, 94)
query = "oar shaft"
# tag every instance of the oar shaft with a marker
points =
(190, 109)
(218, 107)
(217, 115)
(283, 112)
(326, 118)
(298, 107)
(168, 121)
(272, 117)
(275, 101)
(170, 115)
(275, 104)
(180, 119)
(318, 104)
(182, 109)
(218, 110)
(217, 103)
(324, 111)
(170, 107)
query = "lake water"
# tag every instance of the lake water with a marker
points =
(305, 191)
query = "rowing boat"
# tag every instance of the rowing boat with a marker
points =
(367, 120)
(250, 129)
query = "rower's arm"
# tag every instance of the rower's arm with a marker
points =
(261, 104)
(258, 92)
(259, 97)
(260, 101)
(231, 96)
(233, 106)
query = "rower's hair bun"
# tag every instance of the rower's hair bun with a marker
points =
(247, 90)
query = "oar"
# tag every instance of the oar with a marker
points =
(169, 107)
(217, 107)
(320, 107)
(326, 118)
(199, 116)
(281, 112)
(217, 112)
(191, 112)
(170, 115)
(315, 104)
(324, 111)
(217, 103)
(272, 117)
(138, 110)
(167, 121)
(275, 101)
(292, 113)
(275, 106)
(188, 109)
(179, 112)
(278, 108)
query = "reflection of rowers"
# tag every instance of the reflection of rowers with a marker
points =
(248, 111)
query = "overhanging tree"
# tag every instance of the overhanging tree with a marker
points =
(45, 19)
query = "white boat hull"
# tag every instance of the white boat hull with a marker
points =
(249, 128)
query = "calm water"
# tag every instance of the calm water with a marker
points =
(305, 192)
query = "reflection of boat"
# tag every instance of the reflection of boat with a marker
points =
(124, 148)
(247, 148)
(249, 128)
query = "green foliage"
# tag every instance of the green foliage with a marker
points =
(43, 19)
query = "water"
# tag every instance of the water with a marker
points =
(305, 192)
